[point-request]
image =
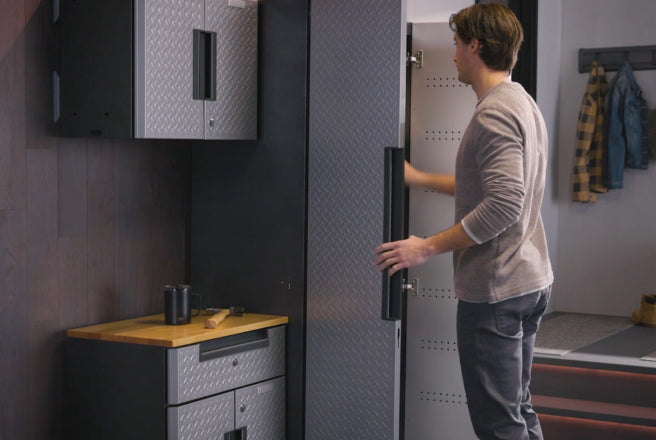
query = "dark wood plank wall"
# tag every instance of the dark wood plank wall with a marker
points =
(90, 229)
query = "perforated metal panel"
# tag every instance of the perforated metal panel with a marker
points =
(261, 408)
(234, 113)
(357, 74)
(436, 406)
(190, 379)
(207, 419)
(164, 102)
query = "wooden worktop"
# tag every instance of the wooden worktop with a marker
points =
(152, 330)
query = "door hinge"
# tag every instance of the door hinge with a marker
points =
(412, 286)
(418, 59)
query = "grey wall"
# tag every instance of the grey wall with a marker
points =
(548, 82)
(90, 229)
(606, 251)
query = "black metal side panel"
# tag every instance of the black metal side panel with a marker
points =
(114, 391)
(96, 68)
(248, 198)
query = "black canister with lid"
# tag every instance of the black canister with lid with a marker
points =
(177, 304)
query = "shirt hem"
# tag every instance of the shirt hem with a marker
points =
(503, 298)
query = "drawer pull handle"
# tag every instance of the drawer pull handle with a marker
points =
(235, 362)
(242, 408)
(231, 345)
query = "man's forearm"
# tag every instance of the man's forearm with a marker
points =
(443, 183)
(450, 240)
(414, 251)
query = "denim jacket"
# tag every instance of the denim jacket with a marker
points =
(626, 128)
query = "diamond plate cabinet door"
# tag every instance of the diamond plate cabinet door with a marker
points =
(168, 69)
(233, 114)
(261, 409)
(164, 69)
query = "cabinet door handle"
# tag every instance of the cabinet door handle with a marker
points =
(204, 65)
(393, 228)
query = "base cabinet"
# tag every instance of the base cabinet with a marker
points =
(230, 388)
(256, 412)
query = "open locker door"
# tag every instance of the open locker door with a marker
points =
(435, 402)
(356, 109)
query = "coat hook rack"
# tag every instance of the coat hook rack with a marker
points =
(612, 58)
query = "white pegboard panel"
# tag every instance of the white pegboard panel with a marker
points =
(438, 135)
(436, 405)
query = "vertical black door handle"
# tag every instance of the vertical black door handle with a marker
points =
(204, 65)
(393, 228)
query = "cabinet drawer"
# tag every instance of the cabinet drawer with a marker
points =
(204, 419)
(223, 364)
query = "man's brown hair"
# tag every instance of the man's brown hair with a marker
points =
(496, 28)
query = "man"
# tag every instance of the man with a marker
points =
(502, 272)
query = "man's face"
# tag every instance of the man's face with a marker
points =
(462, 58)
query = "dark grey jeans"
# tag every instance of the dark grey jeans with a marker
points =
(495, 344)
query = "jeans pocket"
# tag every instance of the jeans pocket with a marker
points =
(508, 317)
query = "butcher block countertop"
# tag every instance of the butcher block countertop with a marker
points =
(151, 330)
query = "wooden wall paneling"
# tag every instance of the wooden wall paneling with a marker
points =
(73, 301)
(42, 233)
(12, 110)
(72, 231)
(171, 211)
(44, 379)
(13, 325)
(133, 195)
(71, 187)
(42, 289)
(101, 245)
(42, 245)
(14, 405)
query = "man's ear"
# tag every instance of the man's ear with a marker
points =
(475, 45)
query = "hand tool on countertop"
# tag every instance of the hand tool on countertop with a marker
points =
(218, 317)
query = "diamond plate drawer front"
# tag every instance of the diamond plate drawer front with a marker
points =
(205, 419)
(261, 408)
(190, 379)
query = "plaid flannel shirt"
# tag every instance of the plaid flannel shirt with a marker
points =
(588, 164)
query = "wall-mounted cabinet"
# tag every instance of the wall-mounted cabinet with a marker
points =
(177, 69)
